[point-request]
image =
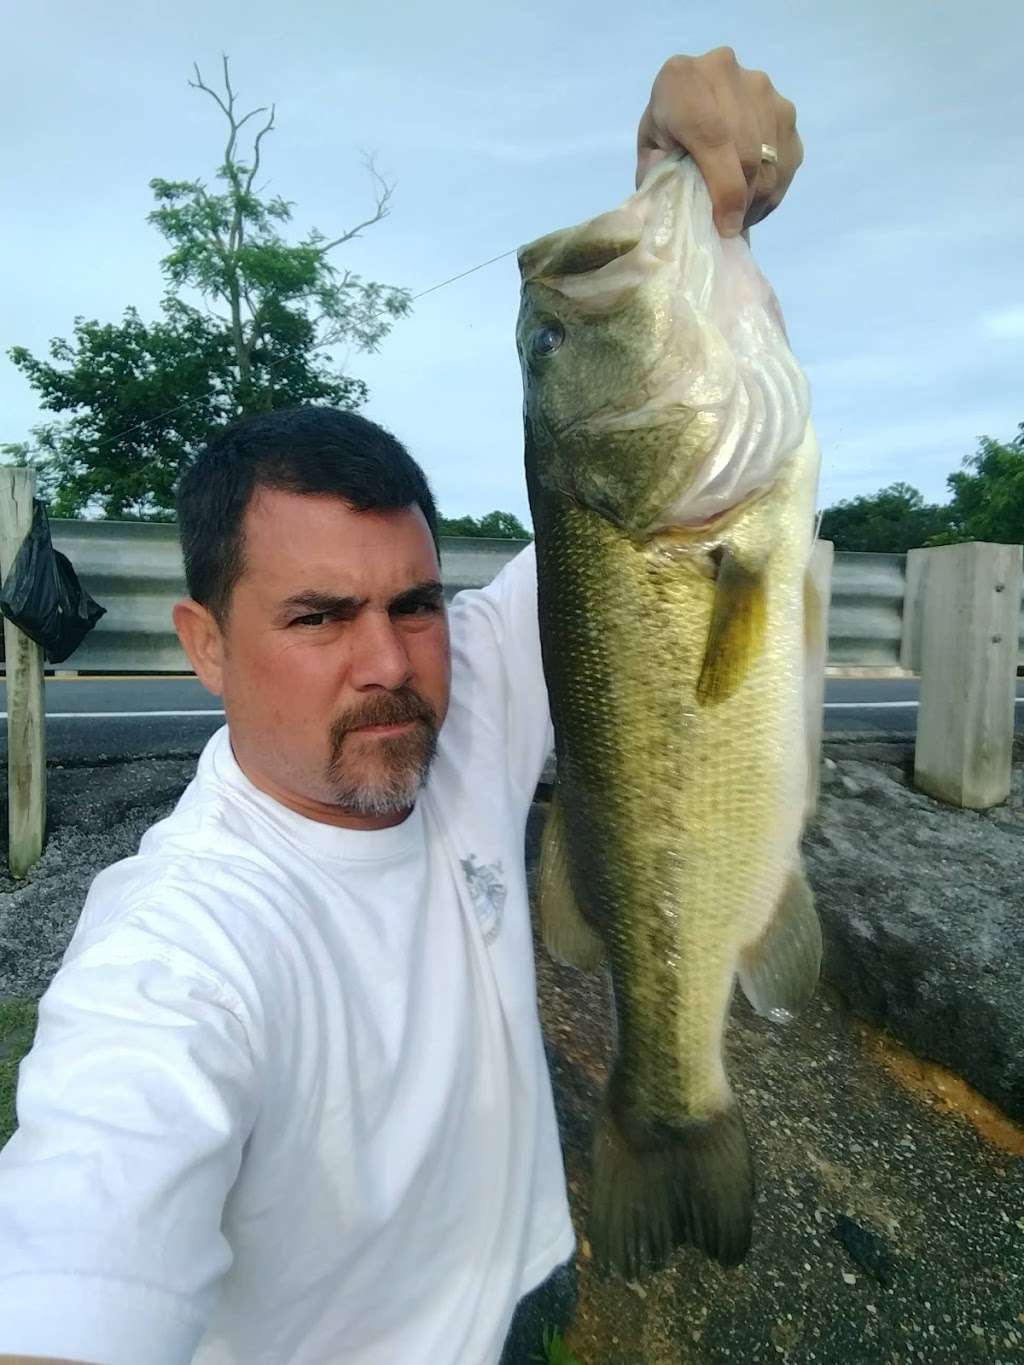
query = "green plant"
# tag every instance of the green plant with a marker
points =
(555, 1351)
(17, 1030)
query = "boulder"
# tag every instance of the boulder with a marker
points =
(922, 910)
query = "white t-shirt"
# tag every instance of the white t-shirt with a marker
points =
(288, 1102)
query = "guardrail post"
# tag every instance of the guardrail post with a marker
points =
(816, 603)
(26, 738)
(966, 604)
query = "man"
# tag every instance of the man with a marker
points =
(287, 1103)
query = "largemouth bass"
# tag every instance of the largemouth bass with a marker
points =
(672, 471)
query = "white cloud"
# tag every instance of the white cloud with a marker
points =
(1005, 324)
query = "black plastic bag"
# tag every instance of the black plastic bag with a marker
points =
(43, 597)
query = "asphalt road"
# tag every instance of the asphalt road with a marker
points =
(96, 718)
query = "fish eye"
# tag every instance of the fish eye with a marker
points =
(548, 339)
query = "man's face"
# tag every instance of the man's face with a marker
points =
(335, 667)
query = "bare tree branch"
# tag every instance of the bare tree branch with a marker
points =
(200, 84)
(268, 126)
(228, 111)
(383, 192)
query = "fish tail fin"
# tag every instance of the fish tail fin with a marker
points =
(779, 972)
(567, 935)
(670, 1186)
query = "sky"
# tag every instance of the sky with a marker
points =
(897, 256)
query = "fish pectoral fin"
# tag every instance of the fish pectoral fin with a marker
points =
(737, 629)
(683, 1184)
(567, 935)
(779, 972)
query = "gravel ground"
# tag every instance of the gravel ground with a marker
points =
(835, 1136)
(890, 1217)
(96, 815)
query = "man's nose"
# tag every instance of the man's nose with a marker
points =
(380, 658)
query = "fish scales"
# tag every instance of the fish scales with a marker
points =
(673, 650)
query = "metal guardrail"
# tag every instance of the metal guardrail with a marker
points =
(135, 570)
(865, 623)
(953, 614)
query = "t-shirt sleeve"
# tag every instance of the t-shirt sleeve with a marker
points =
(133, 1106)
(496, 660)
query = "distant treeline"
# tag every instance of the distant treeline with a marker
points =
(987, 503)
(497, 525)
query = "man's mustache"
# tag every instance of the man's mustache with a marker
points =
(391, 708)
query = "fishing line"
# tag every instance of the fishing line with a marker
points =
(470, 271)
(192, 402)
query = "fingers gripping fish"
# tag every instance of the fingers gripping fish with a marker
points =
(672, 470)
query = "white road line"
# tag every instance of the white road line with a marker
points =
(882, 705)
(116, 715)
(135, 715)
(868, 705)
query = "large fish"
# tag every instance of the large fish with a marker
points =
(672, 472)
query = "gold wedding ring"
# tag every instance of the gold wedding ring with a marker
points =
(769, 154)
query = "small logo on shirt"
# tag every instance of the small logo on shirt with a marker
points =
(487, 892)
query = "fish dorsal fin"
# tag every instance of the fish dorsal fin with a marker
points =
(736, 633)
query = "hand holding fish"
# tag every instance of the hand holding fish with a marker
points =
(724, 116)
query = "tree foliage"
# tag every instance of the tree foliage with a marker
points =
(988, 494)
(141, 397)
(891, 521)
(497, 525)
(124, 383)
(987, 503)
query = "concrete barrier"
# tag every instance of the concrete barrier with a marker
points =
(965, 641)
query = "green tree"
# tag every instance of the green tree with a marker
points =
(142, 397)
(497, 525)
(988, 494)
(891, 521)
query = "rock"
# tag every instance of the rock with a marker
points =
(865, 1248)
(922, 910)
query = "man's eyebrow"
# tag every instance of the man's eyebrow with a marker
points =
(313, 600)
(430, 590)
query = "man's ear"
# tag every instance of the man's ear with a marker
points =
(202, 641)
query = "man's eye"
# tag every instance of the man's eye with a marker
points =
(316, 618)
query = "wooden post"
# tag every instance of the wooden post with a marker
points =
(968, 600)
(26, 738)
(817, 599)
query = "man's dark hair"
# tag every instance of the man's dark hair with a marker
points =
(298, 450)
